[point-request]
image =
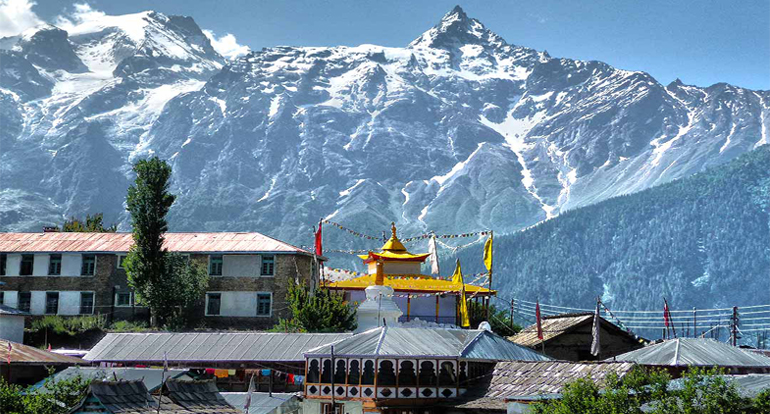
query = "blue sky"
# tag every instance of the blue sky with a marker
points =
(702, 42)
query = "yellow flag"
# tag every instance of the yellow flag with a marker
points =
(488, 253)
(457, 278)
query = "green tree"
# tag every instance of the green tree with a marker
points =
(92, 224)
(324, 311)
(169, 284)
(52, 398)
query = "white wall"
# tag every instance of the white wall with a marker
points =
(12, 264)
(239, 304)
(241, 265)
(40, 267)
(12, 328)
(11, 298)
(420, 307)
(38, 303)
(69, 303)
(71, 264)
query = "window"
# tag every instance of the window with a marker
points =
(25, 301)
(329, 408)
(2, 298)
(54, 265)
(123, 299)
(86, 303)
(27, 264)
(89, 265)
(268, 265)
(121, 259)
(215, 265)
(51, 303)
(3, 263)
(213, 304)
(264, 304)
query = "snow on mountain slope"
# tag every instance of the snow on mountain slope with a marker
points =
(458, 131)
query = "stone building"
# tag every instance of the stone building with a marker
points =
(61, 273)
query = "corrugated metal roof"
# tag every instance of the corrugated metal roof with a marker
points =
(429, 342)
(151, 377)
(121, 242)
(262, 402)
(552, 327)
(523, 380)
(208, 347)
(26, 355)
(695, 352)
(201, 397)
(7, 310)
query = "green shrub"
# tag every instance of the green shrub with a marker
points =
(128, 326)
(68, 325)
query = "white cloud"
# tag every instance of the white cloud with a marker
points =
(81, 12)
(226, 45)
(17, 16)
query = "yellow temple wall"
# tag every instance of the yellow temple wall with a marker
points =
(396, 268)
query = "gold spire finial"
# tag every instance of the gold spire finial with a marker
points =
(393, 229)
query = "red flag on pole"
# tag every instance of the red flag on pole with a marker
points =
(318, 240)
(539, 322)
(666, 319)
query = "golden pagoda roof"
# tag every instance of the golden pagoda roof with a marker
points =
(393, 249)
(410, 283)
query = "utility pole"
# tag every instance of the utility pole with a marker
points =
(694, 323)
(735, 321)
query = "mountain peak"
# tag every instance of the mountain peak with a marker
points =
(457, 29)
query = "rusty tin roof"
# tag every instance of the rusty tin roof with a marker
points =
(26, 355)
(224, 242)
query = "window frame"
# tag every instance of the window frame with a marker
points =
(83, 264)
(51, 294)
(208, 298)
(93, 302)
(31, 265)
(221, 263)
(121, 258)
(20, 302)
(270, 309)
(51, 263)
(262, 264)
(130, 299)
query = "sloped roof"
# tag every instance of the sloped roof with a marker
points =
(261, 402)
(7, 310)
(127, 397)
(409, 283)
(224, 242)
(523, 380)
(151, 377)
(208, 346)
(554, 326)
(200, 397)
(26, 355)
(694, 352)
(429, 343)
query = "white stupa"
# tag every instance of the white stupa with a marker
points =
(378, 309)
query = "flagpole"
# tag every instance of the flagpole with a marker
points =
(491, 263)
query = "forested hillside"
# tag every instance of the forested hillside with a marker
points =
(701, 241)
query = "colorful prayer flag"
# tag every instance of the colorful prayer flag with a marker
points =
(488, 253)
(595, 342)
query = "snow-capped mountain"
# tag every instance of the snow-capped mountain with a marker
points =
(457, 131)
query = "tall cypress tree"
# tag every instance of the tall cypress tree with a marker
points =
(148, 202)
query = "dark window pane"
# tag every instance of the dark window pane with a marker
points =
(427, 375)
(214, 304)
(263, 304)
(121, 260)
(51, 303)
(407, 374)
(123, 299)
(3, 263)
(27, 264)
(368, 377)
(355, 372)
(268, 265)
(339, 371)
(86, 303)
(386, 376)
(54, 265)
(2, 298)
(447, 376)
(313, 371)
(89, 265)
(25, 301)
(215, 265)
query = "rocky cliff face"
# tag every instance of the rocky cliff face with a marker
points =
(457, 131)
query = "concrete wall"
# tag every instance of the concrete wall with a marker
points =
(241, 265)
(313, 406)
(12, 328)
